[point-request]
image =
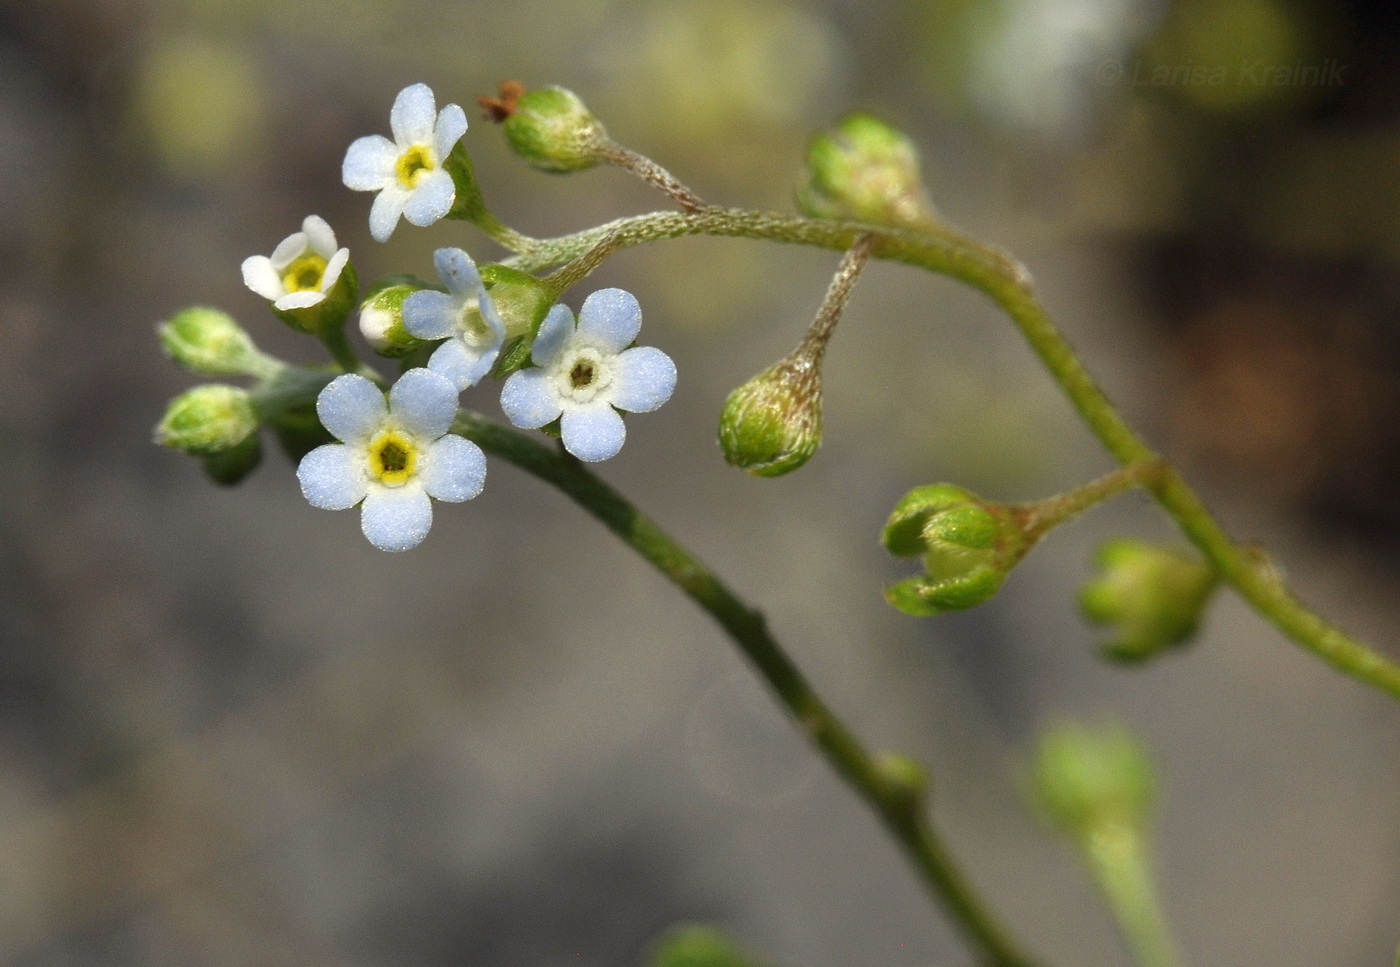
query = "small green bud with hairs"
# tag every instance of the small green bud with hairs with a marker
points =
(207, 420)
(866, 170)
(1150, 596)
(552, 129)
(209, 342)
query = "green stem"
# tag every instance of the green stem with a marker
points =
(1122, 868)
(1039, 518)
(889, 798)
(944, 250)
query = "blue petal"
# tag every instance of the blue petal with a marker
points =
(593, 434)
(610, 319)
(423, 403)
(412, 116)
(396, 518)
(431, 199)
(554, 333)
(461, 365)
(457, 271)
(454, 469)
(529, 400)
(351, 407)
(644, 378)
(429, 314)
(332, 477)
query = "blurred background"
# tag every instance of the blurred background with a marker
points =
(232, 733)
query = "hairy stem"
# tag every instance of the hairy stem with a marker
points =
(746, 626)
(945, 250)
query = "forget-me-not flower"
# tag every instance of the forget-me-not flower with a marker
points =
(392, 456)
(464, 315)
(583, 371)
(303, 268)
(407, 172)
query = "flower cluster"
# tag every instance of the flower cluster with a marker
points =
(391, 449)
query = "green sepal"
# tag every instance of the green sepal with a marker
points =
(331, 312)
(231, 466)
(903, 535)
(551, 429)
(553, 130)
(522, 301)
(381, 315)
(209, 342)
(772, 424)
(698, 946)
(864, 169)
(299, 430)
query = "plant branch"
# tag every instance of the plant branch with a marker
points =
(746, 626)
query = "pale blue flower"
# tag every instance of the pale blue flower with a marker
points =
(392, 456)
(463, 315)
(585, 373)
(407, 172)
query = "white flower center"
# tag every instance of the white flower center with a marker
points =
(393, 458)
(476, 331)
(582, 373)
(413, 164)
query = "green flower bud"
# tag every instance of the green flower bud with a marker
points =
(208, 341)
(230, 466)
(969, 546)
(772, 424)
(554, 131)
(697, 946)
(866, 170)
(1086, 780)
(1152, 597)
(208, 419)
(381, 316)
(522, 301)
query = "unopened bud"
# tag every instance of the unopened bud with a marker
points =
(866, 170)
(208, 341)
(1085, 779)
(1151, 597)
(698, 946)
(772, 424)
(381, 317)
(553, 130)
(207, 420)
(969, 546)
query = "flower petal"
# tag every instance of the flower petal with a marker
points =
(451, 125)
(610, 319)
(291, 247)
(431, 200)
(396, 518)
(645, 378)
(334, 266)
(369, 163)
(454, 469)
(411, 118)
(262, 278)
(594, 433)
(460, 364)
(529, 399)
(429, 314)
(333, 477)
(423, 403)
(304, 299)
(351, 407)
(554, 334)
(319, 236)
(457, 271)
(384, 213)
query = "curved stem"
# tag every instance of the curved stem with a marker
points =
(945, 250)
(746, 626)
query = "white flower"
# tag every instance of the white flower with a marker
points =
(393, 457)
(583, 372)
(407, 172)
(303, 268)
(464, 316)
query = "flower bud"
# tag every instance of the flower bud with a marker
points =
(522, 301)
(381, 317)
(554, 131)
(969, 546)
(697, 946)
(230, 466)
(772, 424)
(1086, 780)
(207, 420)
(866, 170)
(1152, 597)
(208, 341)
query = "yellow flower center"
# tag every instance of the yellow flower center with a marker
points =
(304, 274)
(393, 459)
(413, 163)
